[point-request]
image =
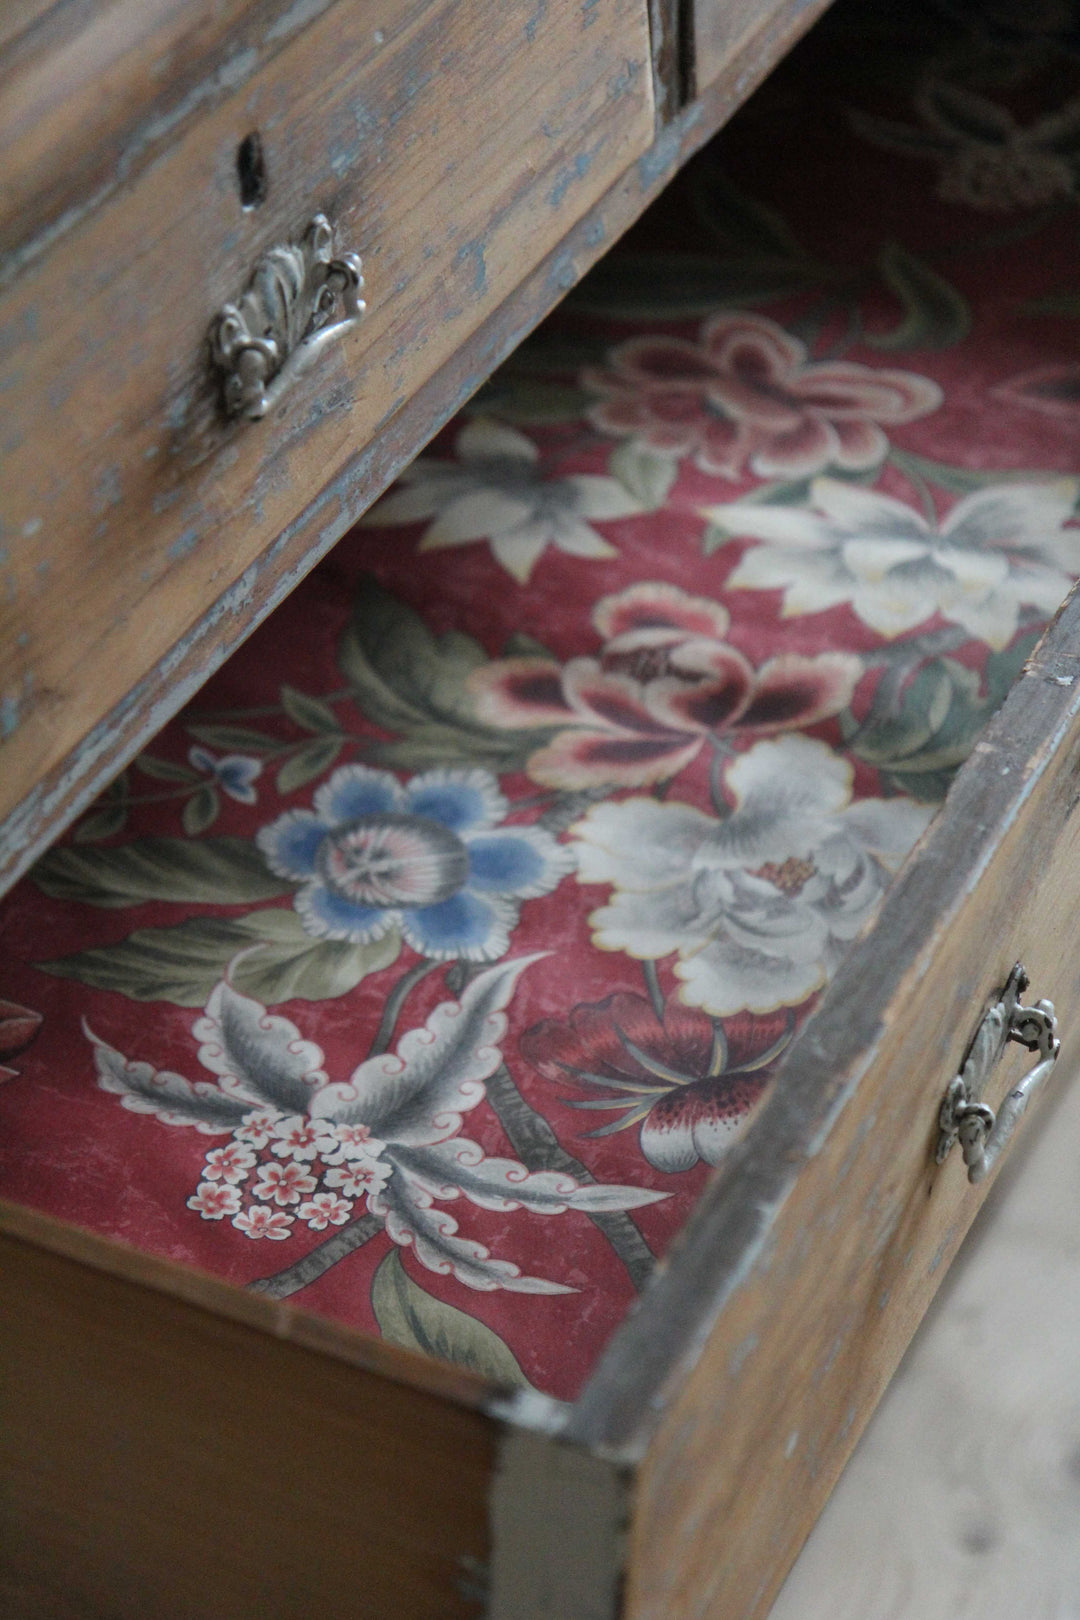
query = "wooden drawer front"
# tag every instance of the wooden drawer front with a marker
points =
(721, 30)
(451, 143)
(756, 1435)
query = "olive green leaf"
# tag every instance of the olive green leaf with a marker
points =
(308, 763)
(165, 770)
(216, 870)
(233, 739)
(183, 963)
(416, 684)
(201, 810)
(644, 285)
(941, 716)
(935, 314)
(528, 400)
(309, 713)
(647, 475)
(409, 1316)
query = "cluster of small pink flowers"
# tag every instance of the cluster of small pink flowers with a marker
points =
(303, 1151)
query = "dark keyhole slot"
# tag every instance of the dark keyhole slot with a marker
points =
(251, 171)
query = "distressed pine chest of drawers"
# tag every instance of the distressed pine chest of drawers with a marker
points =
(478, 159)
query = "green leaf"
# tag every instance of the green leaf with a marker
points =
(935, 316)
(643, 286)
(308, 763)
(101, 823)
(408, 1315)
(528, 400)
(310, 713)
(225, 871)
(521, 645)
(182, 964)
(645, 474)
(1062, 303)
(165, 770)
(201, 810)
(735, 217)
(234, 739)
(410, 682)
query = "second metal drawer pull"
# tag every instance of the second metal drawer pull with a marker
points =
(282, 321)
(964, 1117)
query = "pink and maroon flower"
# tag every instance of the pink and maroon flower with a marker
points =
(18, 1027)
(747, 393)
(664, 682)
(1054, 390)
(230, 1163)
(259, 1222)
(325, 1209)
(691, 1082)
(214, 1201)
(284, 1183)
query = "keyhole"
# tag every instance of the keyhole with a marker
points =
(251, 170)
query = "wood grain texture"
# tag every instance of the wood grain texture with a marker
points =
(962, 1499)
(160, 1460)
(718, 31)
(452, 145)
(45, 800)
(820, 1245)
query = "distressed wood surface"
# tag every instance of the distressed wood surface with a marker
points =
(718, 30)
(452, 145)
(786, 1304)
(161, 1460)
(43, 800)
(962, 1500)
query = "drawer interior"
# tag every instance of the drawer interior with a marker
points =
(424, 968)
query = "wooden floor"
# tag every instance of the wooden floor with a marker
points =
(963, 1497)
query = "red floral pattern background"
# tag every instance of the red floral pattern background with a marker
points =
(421, 970)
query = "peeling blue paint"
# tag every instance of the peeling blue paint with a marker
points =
(589, 12)
(475, 251)
(622, 82)
(184, 544)
(31, 527)
(660, 160)
(566, 177)
(107, 491)
(563, 272)
(535, 20)
(9, 715)
(595, 232)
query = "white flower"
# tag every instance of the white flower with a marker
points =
(1002, 546)
(212, 1202)
(496, 491)
(325, 1209)
(259, 1222)
(396, 1119)
(759, 907)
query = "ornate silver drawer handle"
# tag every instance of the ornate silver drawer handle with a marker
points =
(964, 1117)
(280, 325)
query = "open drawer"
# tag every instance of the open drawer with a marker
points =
(471, 1136)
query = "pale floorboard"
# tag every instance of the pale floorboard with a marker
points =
(962, 1501)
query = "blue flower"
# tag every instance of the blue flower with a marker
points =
(429, 859)
(233, 773)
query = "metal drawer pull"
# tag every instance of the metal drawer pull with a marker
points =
(280, 324)
(964, 1117)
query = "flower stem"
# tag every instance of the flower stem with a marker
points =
(334, 1248)
(538, 1148)
(652, 984)
(394, 1003)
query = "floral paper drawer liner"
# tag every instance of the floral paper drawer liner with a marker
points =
(421, 971)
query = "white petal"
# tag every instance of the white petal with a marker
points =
(725, 979)
(803, 768)
(602, 497)
(579, 539)
(994, 620)
(639, 844)
(519, 550)
(871, 560)
(1013, 516)
(779, 525)
(476, 515)
(862, 511)
(485, 440)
